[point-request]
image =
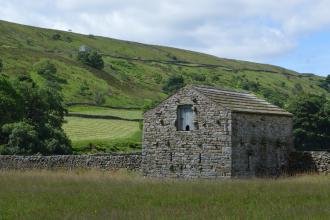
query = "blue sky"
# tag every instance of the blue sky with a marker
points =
(312, 54)
(291, 33)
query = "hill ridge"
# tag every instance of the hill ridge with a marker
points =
(135, 73)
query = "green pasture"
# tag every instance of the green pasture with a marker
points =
(121, 195)
(95, 110)
(89, 135)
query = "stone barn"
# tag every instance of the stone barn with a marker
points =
(203, 132)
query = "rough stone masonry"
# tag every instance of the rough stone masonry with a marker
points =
(202, 132)
(299, 162)
(129, 161)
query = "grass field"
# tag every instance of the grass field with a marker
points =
(120, 195)
(94, 110)
(103, 134)
(80, 129)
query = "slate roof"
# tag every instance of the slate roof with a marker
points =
(241, 102)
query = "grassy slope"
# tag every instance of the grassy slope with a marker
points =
(134, 81)
(96, 195)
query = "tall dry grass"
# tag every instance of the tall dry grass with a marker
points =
(83, 194)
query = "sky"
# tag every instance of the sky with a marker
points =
(290, 33)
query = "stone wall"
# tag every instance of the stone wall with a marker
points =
(130, 161)
(309, 161)
(203, 152)
(261, 143)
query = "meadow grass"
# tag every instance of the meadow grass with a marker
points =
(95, 110)
(124, 195)
(103, 135)
(79, 129)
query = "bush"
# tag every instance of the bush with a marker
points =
(56, 36)
(311, 122)
(297, 89)
(92, 59)
(199, 77)
(174, 83)
(99, 98)
(25, 139)
(150, 105)
(250, 85)
(274, 97)
(22, 139)
(55, 141)
(45, 67)
(158, 78)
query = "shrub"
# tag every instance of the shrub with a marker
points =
(55, 141)
(22, 139)
(250, 85)
(149, 105)
(92, 59)
(174, 83)
(158, 78)
(199, 77)
(84, 89)
(56, 36)
(99, 98)
(297, 89)
(215, 78)
(274, 97)
(45, 67)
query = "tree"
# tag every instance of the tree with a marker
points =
(32, 121)
(11, 103)
(1, 65)
(174, 83)
(91, 58)
(311, 122)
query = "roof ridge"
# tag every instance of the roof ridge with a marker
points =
(240, 101)
(220, 89)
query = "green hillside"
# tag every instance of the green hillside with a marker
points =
(135, 73)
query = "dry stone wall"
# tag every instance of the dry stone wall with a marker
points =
(309, 161)
(299, 162)
(129, 161)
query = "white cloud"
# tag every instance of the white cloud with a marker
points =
(244, 29)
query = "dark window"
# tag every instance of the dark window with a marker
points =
(249, 161)
(185, 118)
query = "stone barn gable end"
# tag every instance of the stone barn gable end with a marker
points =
(204, 132)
